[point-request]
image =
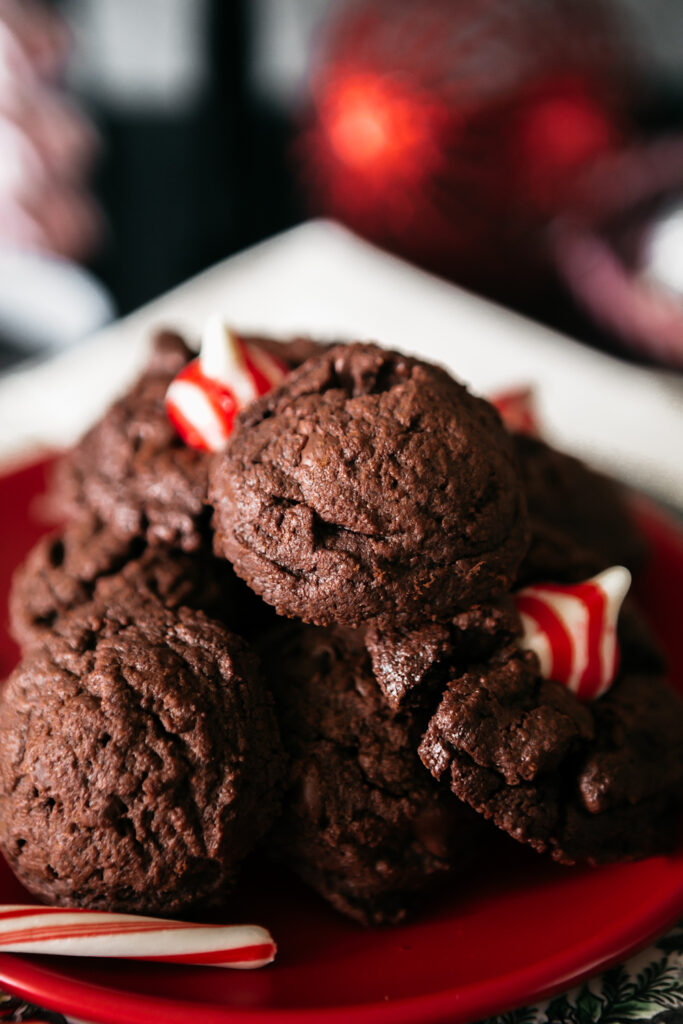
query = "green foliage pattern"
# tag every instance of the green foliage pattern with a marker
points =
(647, 990)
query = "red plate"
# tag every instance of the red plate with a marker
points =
(521, 928)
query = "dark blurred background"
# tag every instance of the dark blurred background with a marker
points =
(529, 149)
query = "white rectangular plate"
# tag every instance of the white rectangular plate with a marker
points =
(321, 279)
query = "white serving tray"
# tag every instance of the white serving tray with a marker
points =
(321, 279)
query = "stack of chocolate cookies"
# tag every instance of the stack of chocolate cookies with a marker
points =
(308, 644)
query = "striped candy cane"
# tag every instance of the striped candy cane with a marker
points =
(204, 398)
(573, 629)
(26, 929)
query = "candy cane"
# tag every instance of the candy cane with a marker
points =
(26, 929)
(572, 629)
(204, 398)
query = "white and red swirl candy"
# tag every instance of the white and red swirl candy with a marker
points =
(572, 629)
(229, 373)
(27, 929)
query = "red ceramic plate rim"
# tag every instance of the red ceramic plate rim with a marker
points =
(33, 979)
(28, 978)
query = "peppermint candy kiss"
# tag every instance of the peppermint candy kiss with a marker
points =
(204, 398)
(572, 629)
(517, 409)
(29, 929)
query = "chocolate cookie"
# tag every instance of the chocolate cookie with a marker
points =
(370, 485)
(580, 520)
(60, 573)
(141, 759)
(640, 652)
(65, 569)
(293, 351)
(593, 782)
(363, 822)
(411, 664)
(132, 469)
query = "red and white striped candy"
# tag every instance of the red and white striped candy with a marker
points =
(26, 929)
(517, 409)
(204, 398)
(572, 629)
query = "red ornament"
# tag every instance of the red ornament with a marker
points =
(204, 398)
(449, 132)
(558, 134)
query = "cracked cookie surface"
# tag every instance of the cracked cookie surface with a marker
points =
(141, 759)
(580, 519)
(369, 486)
(65, 569)
(362, 821)
(593, 782)
(132, 469)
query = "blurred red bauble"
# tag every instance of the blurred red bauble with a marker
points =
(450, 131)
